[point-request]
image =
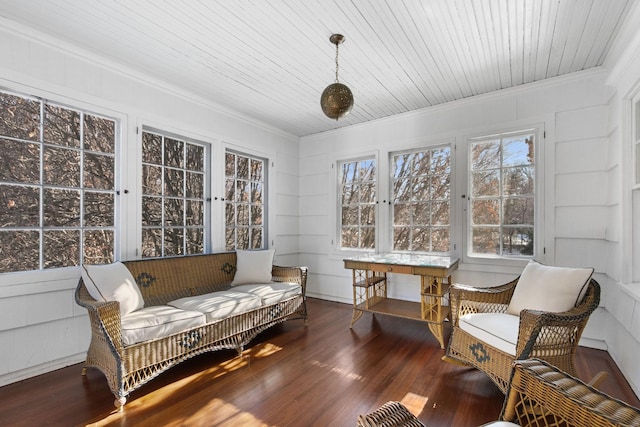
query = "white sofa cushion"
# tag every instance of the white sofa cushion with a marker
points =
(159, 321)
(547, 288)
(113, 282)
(253, 266)
(500, 330)
(273, 292)
(219, 305)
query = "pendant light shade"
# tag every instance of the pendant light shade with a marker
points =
(336, 100)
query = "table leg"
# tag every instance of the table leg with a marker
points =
(357, 314)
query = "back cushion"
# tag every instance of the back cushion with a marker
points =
(546, 288)
(253, 267)
(113, 282)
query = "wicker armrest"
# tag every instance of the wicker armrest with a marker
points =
(545, 329)
(542, 395)
(291, 275)
(104, 316)
(465, 299)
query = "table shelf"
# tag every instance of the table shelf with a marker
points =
(394, 307)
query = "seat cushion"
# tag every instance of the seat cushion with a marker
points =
(218, 305)
(113, 282)
(545, 288)
(271, 293)
(160, 321)
(499, 330)
(253, 266)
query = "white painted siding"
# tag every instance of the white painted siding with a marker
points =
(574, 112)
(622, 298)
(41, 327)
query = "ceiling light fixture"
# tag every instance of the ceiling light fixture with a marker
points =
(336, 100)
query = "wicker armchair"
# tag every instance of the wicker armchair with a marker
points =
(550, 336)
(543, 395)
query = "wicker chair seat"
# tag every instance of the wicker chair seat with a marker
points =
(499, 330)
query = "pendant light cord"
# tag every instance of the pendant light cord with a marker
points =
(337, 66)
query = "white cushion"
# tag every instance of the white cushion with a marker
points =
(271, 293)
(546, 288)
(499, 330)
(219, 305)
(253, 267)
(157, 322)
(113, 282)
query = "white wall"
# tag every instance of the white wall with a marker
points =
(573, 111)
(41, 327)
(622, 256)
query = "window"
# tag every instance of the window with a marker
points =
(502, 178)
(174, 181)
(357, 203)
(245, 193)
(57, 185)
(421, 210)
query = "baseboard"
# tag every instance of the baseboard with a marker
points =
(32, 371)
(593, 343)
(330, 298)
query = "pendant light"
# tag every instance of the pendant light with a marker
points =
(336, 100)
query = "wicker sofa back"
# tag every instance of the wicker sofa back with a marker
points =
(127, 367)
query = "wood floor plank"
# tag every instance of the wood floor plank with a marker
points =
(321, 375)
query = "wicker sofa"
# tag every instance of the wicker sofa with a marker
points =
(190, 307)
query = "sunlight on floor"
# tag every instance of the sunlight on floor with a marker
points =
(226, 413)
(263, 350)
(220, 413)
(414, 403)
(335, 369)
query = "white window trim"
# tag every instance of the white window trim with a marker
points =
(335, 251)
(218, 163)
(450, 143)
(208, 171)
(120, 203)
(541, 249)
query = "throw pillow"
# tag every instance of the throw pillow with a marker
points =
(546, 288)
(113, 282)
(253, 267)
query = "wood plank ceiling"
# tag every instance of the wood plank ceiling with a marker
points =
(270, 60)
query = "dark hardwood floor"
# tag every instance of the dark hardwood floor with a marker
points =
(321, 375)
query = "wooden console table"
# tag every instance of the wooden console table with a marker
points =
(369, 274)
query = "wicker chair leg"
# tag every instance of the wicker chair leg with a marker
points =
(119, 403)
(453, 361)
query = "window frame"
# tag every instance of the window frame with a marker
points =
(539, 251)
(338, 200)
(265, 196)
(83, 110)
(206, 192)
(391, 180)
